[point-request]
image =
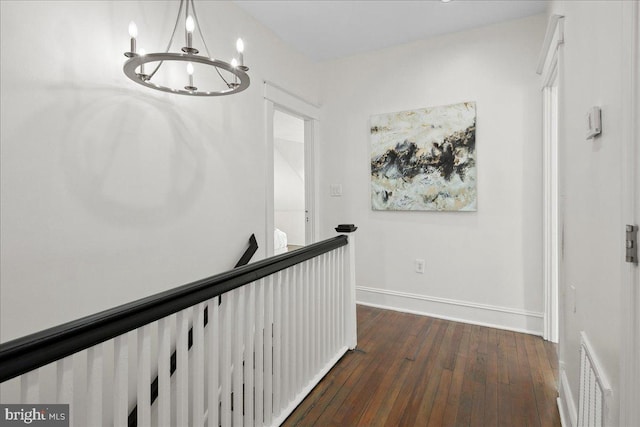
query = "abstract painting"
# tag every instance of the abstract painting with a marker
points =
(424, 160)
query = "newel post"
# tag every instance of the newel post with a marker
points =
(350, 285)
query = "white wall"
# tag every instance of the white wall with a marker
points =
(110, 191)
(483, 266)
(289, 215)
(591, 171)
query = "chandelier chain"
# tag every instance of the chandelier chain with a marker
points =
(195, 17)
(173, 34)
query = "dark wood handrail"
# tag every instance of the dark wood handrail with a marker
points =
(41, 348)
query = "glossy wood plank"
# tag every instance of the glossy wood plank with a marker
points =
(414, 370)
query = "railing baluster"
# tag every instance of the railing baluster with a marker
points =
(95, 367)
(299, 327)
(327, 308)
(121, 380)
(350, 287)
(197, 383)
(288, 365)
(308, 319)
(327, 272)
(329, 284)
(249, 354)
(285, 353)
(297, 306)
(29, 387)
(164, 370)
(321, 316)
(315, 330)
(182, 367)
(341, 294)
(225, 346)
(268, 351)
(213, 351)
(323, 305)
(297, 324)
(277, 344)
(336, 300)
(144, 375)
(259, 352)
(330, 303)
(78, 407)
(64, 380)
(238, 356)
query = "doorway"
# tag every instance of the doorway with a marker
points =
(550, 69)
(291, 129)
(289, 213)
(552, 218)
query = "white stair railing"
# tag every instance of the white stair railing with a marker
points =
(278, 328)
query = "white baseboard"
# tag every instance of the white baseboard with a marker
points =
(563, 417)
(566, 403)
(459, 311)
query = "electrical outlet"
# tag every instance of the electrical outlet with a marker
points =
(419, 266)
(335, 190)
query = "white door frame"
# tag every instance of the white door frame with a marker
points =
(630, 152)
(276, 98)
(549, 67)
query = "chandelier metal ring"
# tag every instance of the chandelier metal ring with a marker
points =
(134, 66)
(134, 62)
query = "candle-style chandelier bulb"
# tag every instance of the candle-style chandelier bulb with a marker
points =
(190, 25)
(142, 74)
(234, 64)
(133, 33)
(133, 30)
(240, 49)
(190, 87)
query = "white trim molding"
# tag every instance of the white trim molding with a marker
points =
(553, 38)
(277, 98)
(507, 318)
(566, 402)
(630, 151)
(549, 69)
(290, 102)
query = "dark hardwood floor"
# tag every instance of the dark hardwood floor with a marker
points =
(411, 370)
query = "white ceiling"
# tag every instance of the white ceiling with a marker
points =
(328, 29)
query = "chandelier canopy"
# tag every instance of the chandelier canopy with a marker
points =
(231, 78)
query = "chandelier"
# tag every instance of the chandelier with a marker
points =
(233, 77)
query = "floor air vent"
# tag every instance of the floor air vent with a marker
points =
(594, 388)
